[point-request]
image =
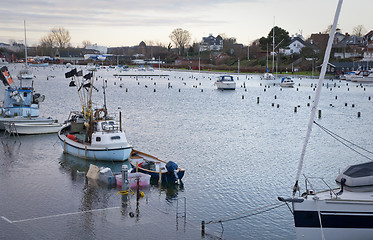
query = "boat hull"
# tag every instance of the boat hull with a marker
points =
(86, 151)
(33, 128)
(340, 219)
(24, 120)
(154, 174)
(226, 85)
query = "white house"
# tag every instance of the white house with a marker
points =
(294, 47)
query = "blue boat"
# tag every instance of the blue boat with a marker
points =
(145, 163)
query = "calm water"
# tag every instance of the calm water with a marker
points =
(238, 155)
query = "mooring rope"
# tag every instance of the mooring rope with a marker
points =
(248, 213)
(338, 138)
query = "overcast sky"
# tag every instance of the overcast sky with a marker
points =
(117, 23)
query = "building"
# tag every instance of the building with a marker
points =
(211, 43)
(348, 47)
(100, 49)
(295, 46)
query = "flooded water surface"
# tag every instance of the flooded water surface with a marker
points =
(240, 150)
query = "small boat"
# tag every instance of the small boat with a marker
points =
(92, 133)
(287, 82)
(39, 64)
(153, 166)
(363, 77)
(91, 67)
(28, 128)
(21, 103)
(268, 76)
(225, 82)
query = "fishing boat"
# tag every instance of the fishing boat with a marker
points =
(153, 166)
(342, 212)
(225, 82)
(286, 82)
(21, 103)
(28, 127)
(92, 133)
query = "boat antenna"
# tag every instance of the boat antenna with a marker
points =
(104, 86)
(317, 94)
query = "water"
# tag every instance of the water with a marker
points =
(239, 155)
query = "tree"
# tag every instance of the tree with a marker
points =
(86, 43)
(359, 30)
(180, 38)
(61, 37)
(282, 39)
(47, 41)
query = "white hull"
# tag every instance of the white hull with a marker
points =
(226, 85)
(362, 79)
(287, 84)
(23, 120)
(33, 128)
(268, 76)
(99, 153)
(350, 216)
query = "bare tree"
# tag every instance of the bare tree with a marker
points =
(61, 37)
(180, 38)
(47, 41)
(86, 43)
(359, 30)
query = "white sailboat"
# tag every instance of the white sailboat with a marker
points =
(91, 133)
(335, 213)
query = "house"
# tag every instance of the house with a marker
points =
(295, 46)
(211, 43)
(319, 41)
(343, 67)
(368, 50)
(348, 47)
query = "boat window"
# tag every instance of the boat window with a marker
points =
(103, 125)
(115, 138)
(25, 94)
(98, 139)
(111, 123)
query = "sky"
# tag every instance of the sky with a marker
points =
(117, 23)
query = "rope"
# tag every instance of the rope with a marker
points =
(338, 138)
(248, 213)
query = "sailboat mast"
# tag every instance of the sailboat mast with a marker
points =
(317, 94)
(24, 25)
(273, 45)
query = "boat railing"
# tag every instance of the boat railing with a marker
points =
(311, 190)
